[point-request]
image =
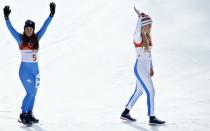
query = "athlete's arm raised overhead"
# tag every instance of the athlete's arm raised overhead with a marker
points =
(12, 30)
(137, 34)
(43, 29)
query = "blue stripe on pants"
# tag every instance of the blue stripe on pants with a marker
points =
(144, 86)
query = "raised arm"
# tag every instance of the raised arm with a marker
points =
(14, 33)
(43, 29)
(137, 34)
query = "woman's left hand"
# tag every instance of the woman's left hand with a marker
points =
(151, 72)
(52, 9)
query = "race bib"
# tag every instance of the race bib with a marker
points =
(29, 55)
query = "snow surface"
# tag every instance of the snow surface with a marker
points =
(86, 63)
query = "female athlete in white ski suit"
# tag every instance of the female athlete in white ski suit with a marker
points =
(143, 67)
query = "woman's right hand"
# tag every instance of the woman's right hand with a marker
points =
(7, 11)
(137, 11)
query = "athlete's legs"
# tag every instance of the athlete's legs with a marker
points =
(28, 82)
(142, 74)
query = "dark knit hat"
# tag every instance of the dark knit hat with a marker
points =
(29, 23)
(145, 19)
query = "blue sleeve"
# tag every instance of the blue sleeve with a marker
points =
(14, 33)
(41, 32)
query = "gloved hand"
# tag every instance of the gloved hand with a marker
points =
(7, 11)
(140, 14)
(52, 9)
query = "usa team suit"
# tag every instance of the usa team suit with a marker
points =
(142, 72)
(29, 70)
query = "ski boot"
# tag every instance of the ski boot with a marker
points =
(126, 116)
(24, 118)
(154, 121)
(32, 118)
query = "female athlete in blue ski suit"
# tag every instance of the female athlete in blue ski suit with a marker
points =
(29, 70)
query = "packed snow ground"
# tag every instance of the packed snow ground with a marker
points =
(86, 62)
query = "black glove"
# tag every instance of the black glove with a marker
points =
(52, 9)
(7, 11)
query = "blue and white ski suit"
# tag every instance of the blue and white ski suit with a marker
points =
(29, 70)
(142, 72)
